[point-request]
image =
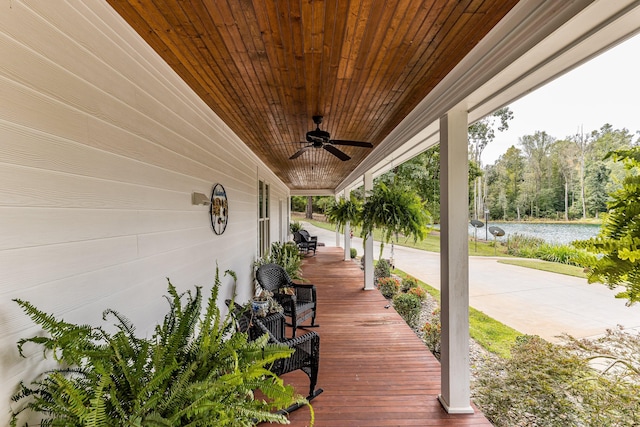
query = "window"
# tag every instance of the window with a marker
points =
(263, 218)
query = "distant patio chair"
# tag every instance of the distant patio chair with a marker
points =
(305, 244)
(307, 236)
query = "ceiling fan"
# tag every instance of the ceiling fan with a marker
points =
(320, 139)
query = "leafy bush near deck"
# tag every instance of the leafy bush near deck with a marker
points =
(388, 286)
(419, 292)
(534, 247)
(432, 330)
(408, 282)
(382, 269)
(408, 306)
(287, 255)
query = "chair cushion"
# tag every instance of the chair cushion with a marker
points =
(305, 306)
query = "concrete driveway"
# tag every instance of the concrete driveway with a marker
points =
(530, 301)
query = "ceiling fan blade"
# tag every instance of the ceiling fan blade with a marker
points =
(351, 143)
(299, 152)
(339, 154)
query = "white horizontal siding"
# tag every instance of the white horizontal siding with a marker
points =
(101, 146)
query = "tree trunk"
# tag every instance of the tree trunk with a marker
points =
(475, 199)
(582, 197)
(309, 212)
(566, 200)
(584, 203)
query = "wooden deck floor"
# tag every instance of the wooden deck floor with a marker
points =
(373, 368)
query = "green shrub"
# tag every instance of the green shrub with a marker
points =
(193, 370)
(419, 292)
(287, 255)
(353, 252)
(408, 306)
(575, 383)
(431, 331)
(295, 226)
(382, 269)
(531, 388)
(388, 286)
(520, 243)
(408, 282)
(534, 247)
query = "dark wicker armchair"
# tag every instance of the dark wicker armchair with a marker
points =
(308, 236)
(298, 300)
(304, 243)
(306, 356)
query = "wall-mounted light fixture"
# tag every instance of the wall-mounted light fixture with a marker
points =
(200, 199)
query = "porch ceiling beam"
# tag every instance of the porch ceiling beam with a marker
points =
(318, 192)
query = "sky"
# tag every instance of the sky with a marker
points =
(603, 90)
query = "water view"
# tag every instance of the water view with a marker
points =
(552, 233)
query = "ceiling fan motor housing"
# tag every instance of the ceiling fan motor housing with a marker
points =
(317, 136)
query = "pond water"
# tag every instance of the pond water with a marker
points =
(552, 233)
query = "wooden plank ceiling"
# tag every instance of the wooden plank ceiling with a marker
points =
(266, 67)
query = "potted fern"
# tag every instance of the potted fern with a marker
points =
(345, 211)
(394, 210)
(287, 255)
(194, 370)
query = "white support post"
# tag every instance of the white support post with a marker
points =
(347, 233)
(454, 262)
(337, 228)
(368, 242)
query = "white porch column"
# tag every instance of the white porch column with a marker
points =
(337, 228)
(454, 262)
(347, 233)
(368, 243)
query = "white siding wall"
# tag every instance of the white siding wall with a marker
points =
(101, 146)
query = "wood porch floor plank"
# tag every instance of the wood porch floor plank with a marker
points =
(373, 368)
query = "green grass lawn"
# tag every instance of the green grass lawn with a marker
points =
(554, 267)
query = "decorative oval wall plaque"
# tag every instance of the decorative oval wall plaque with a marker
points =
(219, 209)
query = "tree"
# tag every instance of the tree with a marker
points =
(601, 172)
(536, 149)
(309, 210)
(480, 134)
(581, 145)
(504, 180)
(298, 203)
(566, 159)
(618, 242)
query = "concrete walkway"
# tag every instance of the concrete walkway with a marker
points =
(530, 301)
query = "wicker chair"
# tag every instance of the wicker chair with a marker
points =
(308, 236)
(298, 300)
(305, 244)
(306, 356)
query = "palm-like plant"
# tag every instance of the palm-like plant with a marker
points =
(618, 243)
(394, 210)
(195, 370)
